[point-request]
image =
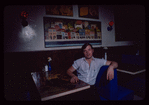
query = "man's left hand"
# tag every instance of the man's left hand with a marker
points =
(110, 73)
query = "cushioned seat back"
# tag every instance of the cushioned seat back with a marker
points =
(106, 88)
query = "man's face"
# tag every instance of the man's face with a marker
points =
(88, 52)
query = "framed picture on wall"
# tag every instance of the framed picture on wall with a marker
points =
(71, 32)
(88, 11)
(64, 10)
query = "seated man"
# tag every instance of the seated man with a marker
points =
(88, 67)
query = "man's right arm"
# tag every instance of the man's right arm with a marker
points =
(74, 78)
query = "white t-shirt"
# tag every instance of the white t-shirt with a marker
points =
(86, 73)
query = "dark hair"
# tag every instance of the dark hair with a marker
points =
(85, 45)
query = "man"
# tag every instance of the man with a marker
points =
(88, 67)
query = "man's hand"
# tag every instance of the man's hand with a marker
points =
(110, 73)
(74, 79)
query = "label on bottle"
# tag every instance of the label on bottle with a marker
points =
(46, 67)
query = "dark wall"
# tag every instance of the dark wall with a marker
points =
(129, 23)
(61, 59)
(19, 65)
(36, 60)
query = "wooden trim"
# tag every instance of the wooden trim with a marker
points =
(132, 73)
(64, 93)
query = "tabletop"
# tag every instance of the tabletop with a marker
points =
(52, 86)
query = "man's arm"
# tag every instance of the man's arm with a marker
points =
(74, 78)
(110, 71)
(112, 63)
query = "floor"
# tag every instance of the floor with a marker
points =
(137, 98)
(137, 83)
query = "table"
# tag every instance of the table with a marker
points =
(52, 86)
